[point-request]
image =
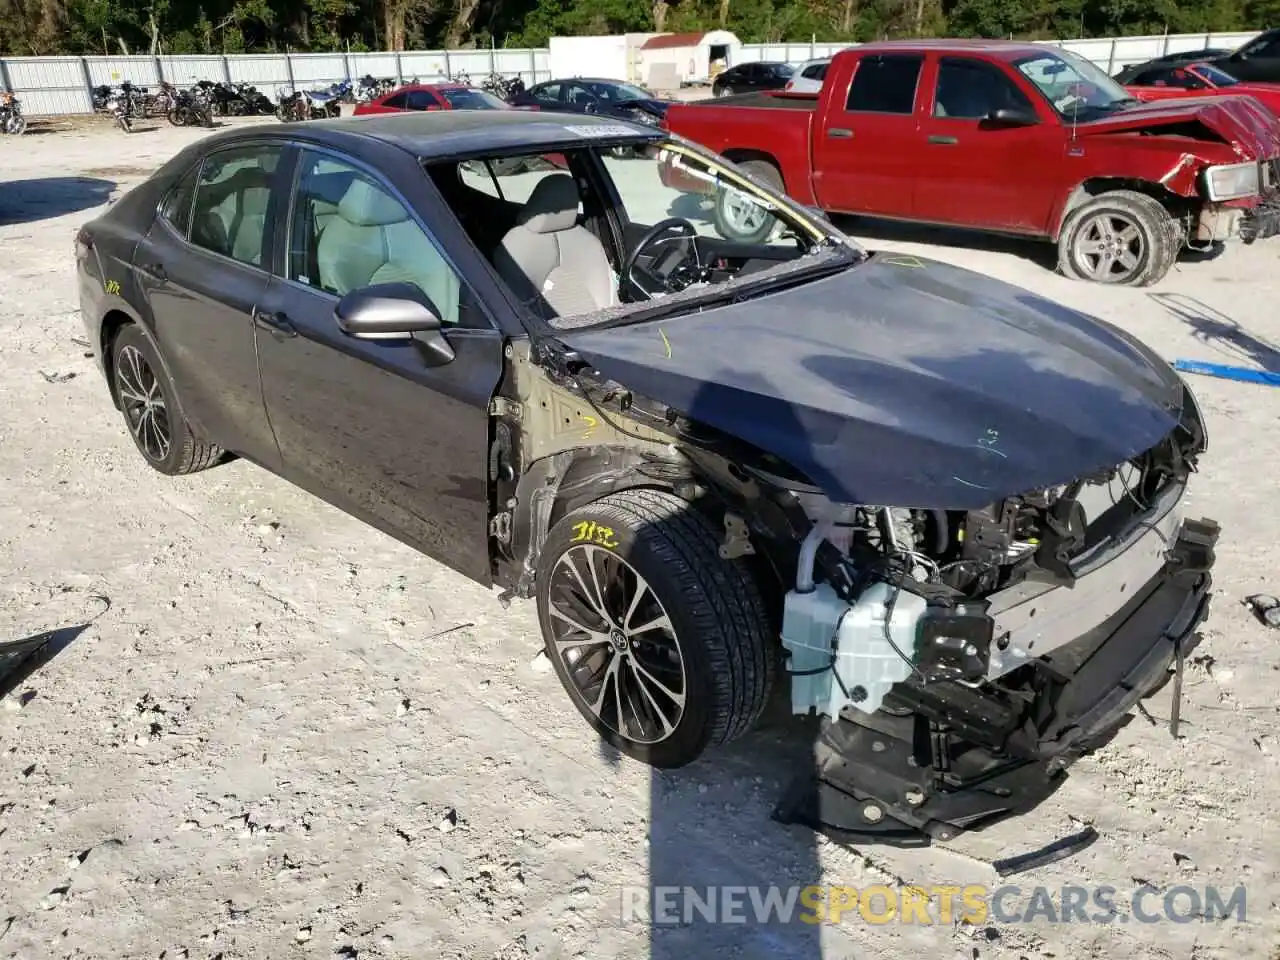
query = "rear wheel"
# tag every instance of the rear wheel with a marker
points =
(149, 403)
(663, 646)
(1121, 238)
(739, 219)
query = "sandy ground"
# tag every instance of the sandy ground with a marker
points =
(266, 730)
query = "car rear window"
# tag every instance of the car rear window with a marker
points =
(815, 71)
(472, 100)
(885, 84)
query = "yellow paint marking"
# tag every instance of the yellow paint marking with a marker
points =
(588, 531)
(905, 261)
(665, 342)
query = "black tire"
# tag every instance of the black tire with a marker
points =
(184, 452)
(766, 173)
(1144, 247)
(713, 605)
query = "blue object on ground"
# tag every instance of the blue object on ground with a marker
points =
(1222, 370)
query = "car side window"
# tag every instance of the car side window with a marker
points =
(396, 102)
(349, 231)
(548, 93)
(885, 83)
(969, 89)
(232, 198)
(176, 208)
(815, 71)
(420, 100)
(580, 95)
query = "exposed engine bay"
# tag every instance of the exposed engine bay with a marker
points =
(951, 647)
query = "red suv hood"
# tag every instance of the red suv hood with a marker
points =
(1250, 128)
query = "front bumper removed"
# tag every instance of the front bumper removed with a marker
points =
(1263, 221)
(906, 782)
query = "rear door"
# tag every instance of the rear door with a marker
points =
(865, 144)
(977, 173)
(204, 266)
(368, 424)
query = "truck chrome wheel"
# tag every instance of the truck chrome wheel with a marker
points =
(1109, 248)
(617, 644)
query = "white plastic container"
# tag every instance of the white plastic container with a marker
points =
(818, 627)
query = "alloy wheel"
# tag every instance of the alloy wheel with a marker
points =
(1109, 248)
(742, 214)
(143, 403)
(617, 644)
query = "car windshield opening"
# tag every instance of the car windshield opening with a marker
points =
(1077, 89)
(627, 229)
(1219, 78)
(460, 99)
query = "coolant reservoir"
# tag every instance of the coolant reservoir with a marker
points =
(818, 626)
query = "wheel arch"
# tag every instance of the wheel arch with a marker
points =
(745, 155)
(562, 482)
(1094, 187)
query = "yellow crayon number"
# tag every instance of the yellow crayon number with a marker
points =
(588, 531)
(113, 287)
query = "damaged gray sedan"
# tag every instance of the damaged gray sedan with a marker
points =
(945, 513)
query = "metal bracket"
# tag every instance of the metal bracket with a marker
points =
(737, 538)
(500, 526)
(502, 407)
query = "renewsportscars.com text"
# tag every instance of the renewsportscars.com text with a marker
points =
(927, 905)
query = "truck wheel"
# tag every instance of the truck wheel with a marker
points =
(740, 220)
(663, 646)
(1123, 238)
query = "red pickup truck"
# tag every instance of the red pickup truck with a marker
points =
(1005, 137)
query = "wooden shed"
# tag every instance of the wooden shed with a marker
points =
(687, 57)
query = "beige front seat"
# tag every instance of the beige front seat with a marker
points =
(552, 264)
(372, 239)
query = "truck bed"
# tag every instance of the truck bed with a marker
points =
(750, 125)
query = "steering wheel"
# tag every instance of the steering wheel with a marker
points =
(654, 283)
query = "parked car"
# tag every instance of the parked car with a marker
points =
(431, 96)
(1181, 58)
(808, 76)
(752, 78)
(974, 134)
(682, 447)
(1200, 80)
(611, 98)
(1257, 61)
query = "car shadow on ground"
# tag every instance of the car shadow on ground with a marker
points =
(892, 231)
(1218, 331)
(26, 201)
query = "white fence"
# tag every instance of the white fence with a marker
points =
(62, 85)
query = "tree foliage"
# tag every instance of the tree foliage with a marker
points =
(237, 26)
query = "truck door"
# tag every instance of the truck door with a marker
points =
(979, 168)
(865, 142)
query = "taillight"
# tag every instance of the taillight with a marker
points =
(84, 243)
(790, 84)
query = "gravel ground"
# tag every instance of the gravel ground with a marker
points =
(263, 729)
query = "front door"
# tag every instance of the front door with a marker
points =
(975, 173)
(864, 151)
(367, 424)
(205, 265)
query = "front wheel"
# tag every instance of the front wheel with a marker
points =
(1121, 238)
(148, 400)
(663, 646)
(125, 123)
(16, 125)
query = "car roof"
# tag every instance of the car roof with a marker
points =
(998, 49)
(446, 133)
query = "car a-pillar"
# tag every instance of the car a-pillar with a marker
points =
(1121, 232)
(653, 612)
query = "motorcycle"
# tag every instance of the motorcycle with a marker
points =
(12, 121)
(257, 104)
(504, 88)
(322, 104)
(117, 107)
(291, 106)
(191, 107)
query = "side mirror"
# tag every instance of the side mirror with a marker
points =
(395, 311)
(1010, 117)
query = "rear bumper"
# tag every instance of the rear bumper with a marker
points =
(871, 785)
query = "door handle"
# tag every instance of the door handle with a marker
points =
(943, 141)
(278, 324)
(840, 133)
